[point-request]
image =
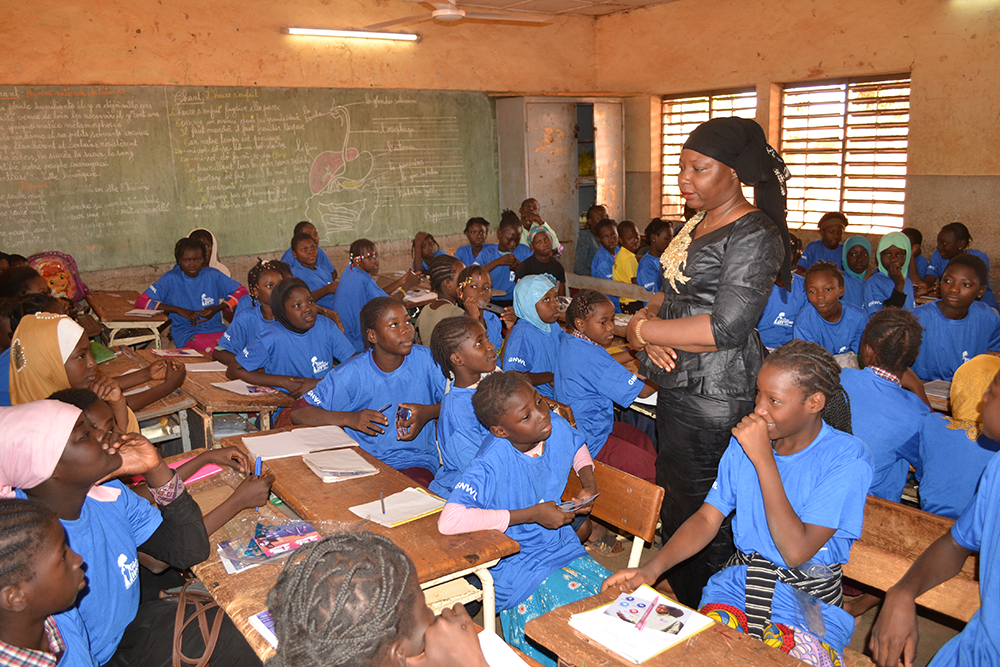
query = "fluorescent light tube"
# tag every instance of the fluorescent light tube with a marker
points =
(354, 34)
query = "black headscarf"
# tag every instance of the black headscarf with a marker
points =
(739, 143)
(278, 296)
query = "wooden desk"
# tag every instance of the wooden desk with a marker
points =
(717, 645)
(438, 558)
(110, 308)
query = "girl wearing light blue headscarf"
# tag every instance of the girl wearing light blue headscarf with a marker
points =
(882, 289)
(854, 278)
(533, 342)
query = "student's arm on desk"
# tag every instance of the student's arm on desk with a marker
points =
(295, 386)
(172, 376)
(369, 422)
(456, 518)
(223, 356)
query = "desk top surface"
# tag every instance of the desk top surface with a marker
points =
(112, 306)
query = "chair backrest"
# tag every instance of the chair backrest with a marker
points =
(560, 409)
(332, 315)
(626, 502)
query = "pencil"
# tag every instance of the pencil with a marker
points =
(256, 472)
(381, 498)
(642, 621)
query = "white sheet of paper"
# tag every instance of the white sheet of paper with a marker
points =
(275, 446)
(497, 652)
(649, 400)
(399, 507)
(242, 388)
(340, 460)
(143, 312)
(324, 437)
(205, 367)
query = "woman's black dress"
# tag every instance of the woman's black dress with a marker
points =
(731, 271)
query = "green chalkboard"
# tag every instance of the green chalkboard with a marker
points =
(115, 175)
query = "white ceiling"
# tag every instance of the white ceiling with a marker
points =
(563, 7)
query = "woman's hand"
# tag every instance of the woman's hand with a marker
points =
(299, 387)
(751, 433)
(550, 516)
(895, 631)
(509, 317)
(896, 273)
(584, 493)
(253, 491)
(628, 580)
(190, 315)
(451, 640)
(369, 422)
(410, 280)
(663, 357)
(419, 415)
(139, 456)
(157, 370)
(640, 316)
(107, 389)
(176, 371)
(231, 457)
(209, 312)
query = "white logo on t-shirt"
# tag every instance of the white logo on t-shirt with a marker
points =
(965, 356)
(468, 489)
(129, 570)
(782, 321)
(319, 365)
(207, 300)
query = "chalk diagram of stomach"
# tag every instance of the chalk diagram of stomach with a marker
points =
(344, 196)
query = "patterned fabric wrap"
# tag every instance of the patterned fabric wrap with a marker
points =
(674, 258)
(968, 385)
(762, 575)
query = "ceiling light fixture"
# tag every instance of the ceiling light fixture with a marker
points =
(352, 34)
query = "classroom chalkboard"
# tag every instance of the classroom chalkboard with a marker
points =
(114, 175)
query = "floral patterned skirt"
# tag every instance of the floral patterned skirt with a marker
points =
(787, 638)
(578, 580)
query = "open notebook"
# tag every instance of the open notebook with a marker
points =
(407, 505)
(299, 442)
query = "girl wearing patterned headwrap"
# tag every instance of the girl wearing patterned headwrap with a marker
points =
(698, 335)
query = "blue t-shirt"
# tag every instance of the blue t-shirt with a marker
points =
(356, 288)
(938, 264)
(854, 291)
(603, 267)
(922, 265)
(494, 329)
(947, 344)
(5, 377)
(314, 279)
(782, 307)
(950, 464)
(531, 350)
(817, 252)
(460, 435)
(75, 637)
(359, 384)
(209, 288)
(502, 478)
(280, 351)
(838, 337)
(486, 254)
(590, 381)
(246, 324)
(425, 265)
(323, 262)
(107, 535)
(826, 484)
(887, 418)
(880, 287)
(648, 275)
(503, 277)
(978, 529)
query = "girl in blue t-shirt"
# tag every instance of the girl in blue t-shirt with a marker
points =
(510, 253)
(475, 289)
(857, 257)
(194, 295)
(393, 376)
(591, 382)
(322, 260)
(298, 352)
(460, 347)
(425, 249)
(478, 251)
(534, 341)
(783, 305)
(306, 268)
(649, 275)
(247, 322)
(798, 486)
(953, 240)
(603, 264)
(514, 485)
(889, 286)
(825, 320)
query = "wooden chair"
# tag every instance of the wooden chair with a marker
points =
(326, 312)
(560, 409)
(626, 502)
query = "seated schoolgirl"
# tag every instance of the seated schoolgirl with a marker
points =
(511, 253)
(958, 326)
(354, 599)
(358, 287)
(425, 249)
(603, 264)
(919, 265)
(777, 322)
(648, 273)
(323, 262)
(954, 451)
(542, 260)
(534, 341)
(884, 414)
(211, 249)
(513, 485)
(474, 292)
(798, 484)
(591, 382)
(828, 247)
(531, 217)
(21, 281)
(889, 286)
(194, 296)
(462, 350)
(39, 582)
(248, 322)
(825, 319)
(444, 274)
(54, 455)
(478, 251)
(954, 239)
(393, 376)
(626, 266)
(296, 353)
(307, 269)
(857, 257)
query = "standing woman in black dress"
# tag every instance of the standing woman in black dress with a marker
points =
(699, 337)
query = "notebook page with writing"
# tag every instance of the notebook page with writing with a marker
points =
(275, 446)
(407, 505)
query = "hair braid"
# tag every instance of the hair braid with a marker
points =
(21, 535)
(442, 268)
(583, 305)
(253, 275)
(371, 312)
(80, 398)
(448, 336)
(894, 335)
(342, 601)
(490, 399)
(828, 268)
(816, 371)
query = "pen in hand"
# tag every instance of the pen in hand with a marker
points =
(642, 621)
(256, 472)
(385, 407)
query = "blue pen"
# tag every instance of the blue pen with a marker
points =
(256, 471)
(385, 407)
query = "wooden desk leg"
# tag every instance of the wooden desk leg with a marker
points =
(156, 339)
(182, 417)
(265, 420)
(489, 599)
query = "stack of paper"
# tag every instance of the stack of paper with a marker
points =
(665, 624)
(299, 442)
(407, 505)
(243, 389)
(143, 312)
(336, 465)
(172, 352)
(420, 296)
(264, 624)
(205, 367)
(940, 389)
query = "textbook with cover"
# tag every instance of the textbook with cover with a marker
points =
(639, 625)
(264, 624)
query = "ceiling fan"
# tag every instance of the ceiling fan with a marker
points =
(449, 12)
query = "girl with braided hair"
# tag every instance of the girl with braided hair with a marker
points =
(249, 321)
(797, 481)
(352, 599)
(443, 271)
